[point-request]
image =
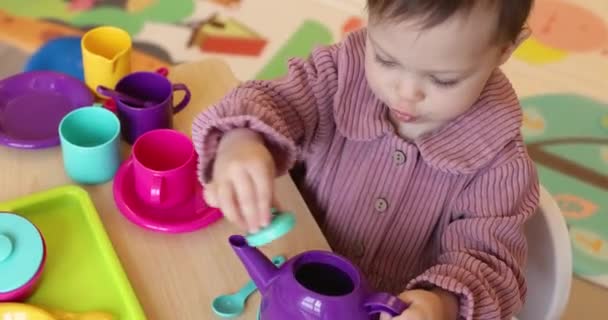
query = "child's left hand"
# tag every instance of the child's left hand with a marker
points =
(436, 304)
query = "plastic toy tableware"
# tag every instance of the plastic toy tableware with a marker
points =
(14, 310)
(22, 257)
(164, 163)
(191, 215)
(83, 272)
(110, 104)
(232, 305)
(90, 144)
(46, 94)
(106, 56)
(61, 54)
(157, 187)
(158, 111)
(163, 71)
(124, 97)
(318, 284)
(281, 224)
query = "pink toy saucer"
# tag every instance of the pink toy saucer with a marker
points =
(191, 215)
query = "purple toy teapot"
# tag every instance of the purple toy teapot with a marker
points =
(314, 285)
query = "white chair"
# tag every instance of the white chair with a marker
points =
(549, 268)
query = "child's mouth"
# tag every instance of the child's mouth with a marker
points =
(403, 117)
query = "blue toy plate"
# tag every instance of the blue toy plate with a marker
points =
(62, 54)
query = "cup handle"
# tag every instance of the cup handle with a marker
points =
(180, 106)
(157, 190)
(110, 104)
(384, 302)
(163, 71)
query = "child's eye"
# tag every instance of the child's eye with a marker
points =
(444, 83)
(384, 62)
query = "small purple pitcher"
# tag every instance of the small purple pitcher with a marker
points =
(314, 285)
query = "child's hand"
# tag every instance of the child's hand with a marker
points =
(243, 179)
(427, 305)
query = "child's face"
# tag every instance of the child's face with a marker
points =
(428, 77)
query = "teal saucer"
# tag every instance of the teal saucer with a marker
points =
(281, 224)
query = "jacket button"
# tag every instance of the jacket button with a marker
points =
(381, 205)
(399, 157)
(359, 250)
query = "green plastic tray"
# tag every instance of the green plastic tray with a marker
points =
(82, 271)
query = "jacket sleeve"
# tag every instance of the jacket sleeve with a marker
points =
(285, 111)
(483, 249)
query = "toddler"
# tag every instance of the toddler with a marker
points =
(407, 138)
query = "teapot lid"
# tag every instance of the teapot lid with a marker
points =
(21, 251)
(281, 224)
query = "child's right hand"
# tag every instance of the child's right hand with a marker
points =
(243, 180)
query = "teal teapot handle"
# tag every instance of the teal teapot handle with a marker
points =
(384, 302)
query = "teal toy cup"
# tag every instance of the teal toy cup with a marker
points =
(90, 144)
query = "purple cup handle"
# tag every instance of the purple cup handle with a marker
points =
(384, 302)
(156, 190)
(180, 106)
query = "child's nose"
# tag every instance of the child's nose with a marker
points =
(410, 93)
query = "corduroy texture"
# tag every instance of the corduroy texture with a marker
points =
(445, 210)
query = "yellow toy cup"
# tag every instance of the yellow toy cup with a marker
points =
(106, 56)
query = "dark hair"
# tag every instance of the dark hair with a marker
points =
(511, 18)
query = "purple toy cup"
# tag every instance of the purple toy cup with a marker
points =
(157, 91)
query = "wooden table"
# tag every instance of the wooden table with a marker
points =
(174, 276)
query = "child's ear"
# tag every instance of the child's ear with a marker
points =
(508, 49)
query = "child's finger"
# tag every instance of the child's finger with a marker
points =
(210, 195)
(228, 204)
(411, 313)
(263, 182)
(385, 316)
(246, 196)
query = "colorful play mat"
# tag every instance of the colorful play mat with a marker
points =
(567, 137)
(566, 125)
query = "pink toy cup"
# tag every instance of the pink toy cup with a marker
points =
(164, 163)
